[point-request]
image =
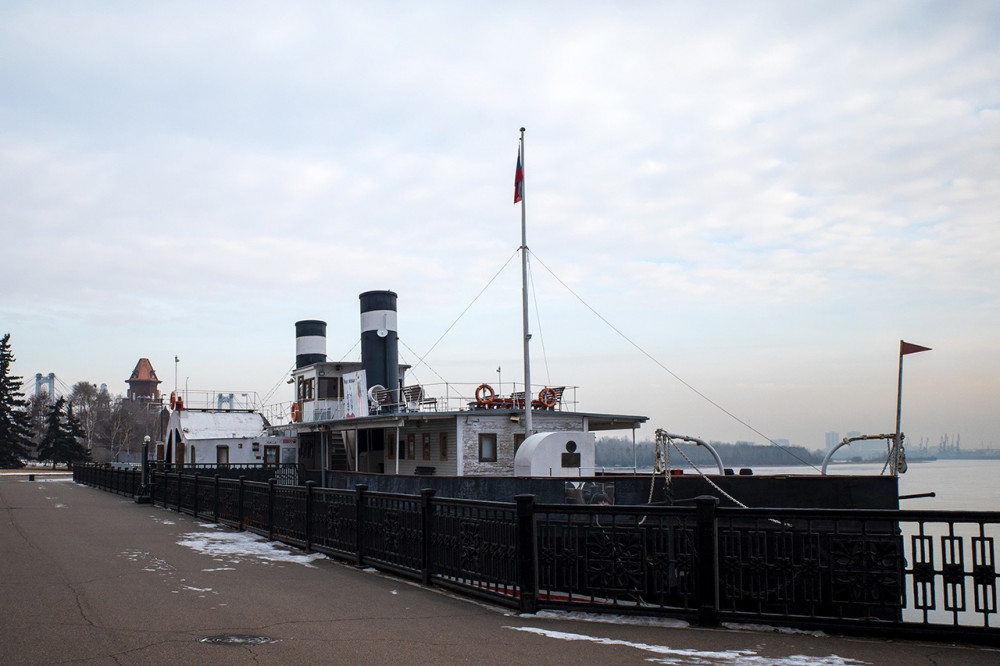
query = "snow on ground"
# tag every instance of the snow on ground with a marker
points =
(40, 477)
(610, 618)
(235, 547)
(667, 655)
(736, 626)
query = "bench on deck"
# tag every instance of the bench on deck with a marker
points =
(378, 398)
(425, 470)
(517, 398)
(416, 399)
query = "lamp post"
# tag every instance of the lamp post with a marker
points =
(143, 496)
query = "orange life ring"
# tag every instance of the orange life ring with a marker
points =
(485, 394)
(295, 411)
(548, 397)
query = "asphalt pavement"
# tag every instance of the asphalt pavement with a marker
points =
(89, 577)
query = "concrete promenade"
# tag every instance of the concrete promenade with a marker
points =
(89, 577)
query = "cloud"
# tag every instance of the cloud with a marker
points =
(765, 176)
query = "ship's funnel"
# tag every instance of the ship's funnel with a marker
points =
(310, 342)
(379, 340)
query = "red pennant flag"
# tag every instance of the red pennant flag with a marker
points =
(909, 348)
(518, 179)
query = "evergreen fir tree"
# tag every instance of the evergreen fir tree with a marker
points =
(63, 432)
(15, 433)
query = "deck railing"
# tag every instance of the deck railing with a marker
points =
(921, 574)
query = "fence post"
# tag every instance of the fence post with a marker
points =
(215, 501)
(239, 501)
(180, 489)
(359, 524)
(194, 498)
(426, 513)
(270, 508)
(708, 559)
(309, 514)
(527, 562)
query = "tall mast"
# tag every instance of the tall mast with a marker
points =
(524, 295)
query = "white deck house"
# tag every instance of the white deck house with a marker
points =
(214, 437)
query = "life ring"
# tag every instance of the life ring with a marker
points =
(485, 394)
(548, 397)
(295, 411)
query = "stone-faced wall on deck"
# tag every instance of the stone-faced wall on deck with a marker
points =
(498, 422)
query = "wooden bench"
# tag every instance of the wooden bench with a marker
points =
(517, 398)
(378, 398)
(416, 399)
(425, 470)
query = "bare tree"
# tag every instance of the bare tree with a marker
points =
(83, 399)
(123, 426)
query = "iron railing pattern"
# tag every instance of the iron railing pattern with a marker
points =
(926, 574)
(333, 522)
(604, 557)
(473, 546)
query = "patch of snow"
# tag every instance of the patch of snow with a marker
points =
(667, 655)
(153, 564)
(197, 589)
(221, 569)
(766, 627)
(60, 506)
(234, 547)
(610, 618)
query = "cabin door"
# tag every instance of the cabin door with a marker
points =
(271, 456)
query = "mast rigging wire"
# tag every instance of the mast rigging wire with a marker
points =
(668, 370)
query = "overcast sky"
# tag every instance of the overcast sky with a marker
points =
(761, 198)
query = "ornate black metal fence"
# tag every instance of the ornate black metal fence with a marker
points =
(919, 573)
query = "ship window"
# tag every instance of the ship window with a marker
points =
(330, 388)
(411, 442)
(444, 446)
(518, 440)
(487, 447)
(426, 445)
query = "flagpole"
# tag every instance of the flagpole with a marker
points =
(524, 299)
(899, 414)
(904, 349)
